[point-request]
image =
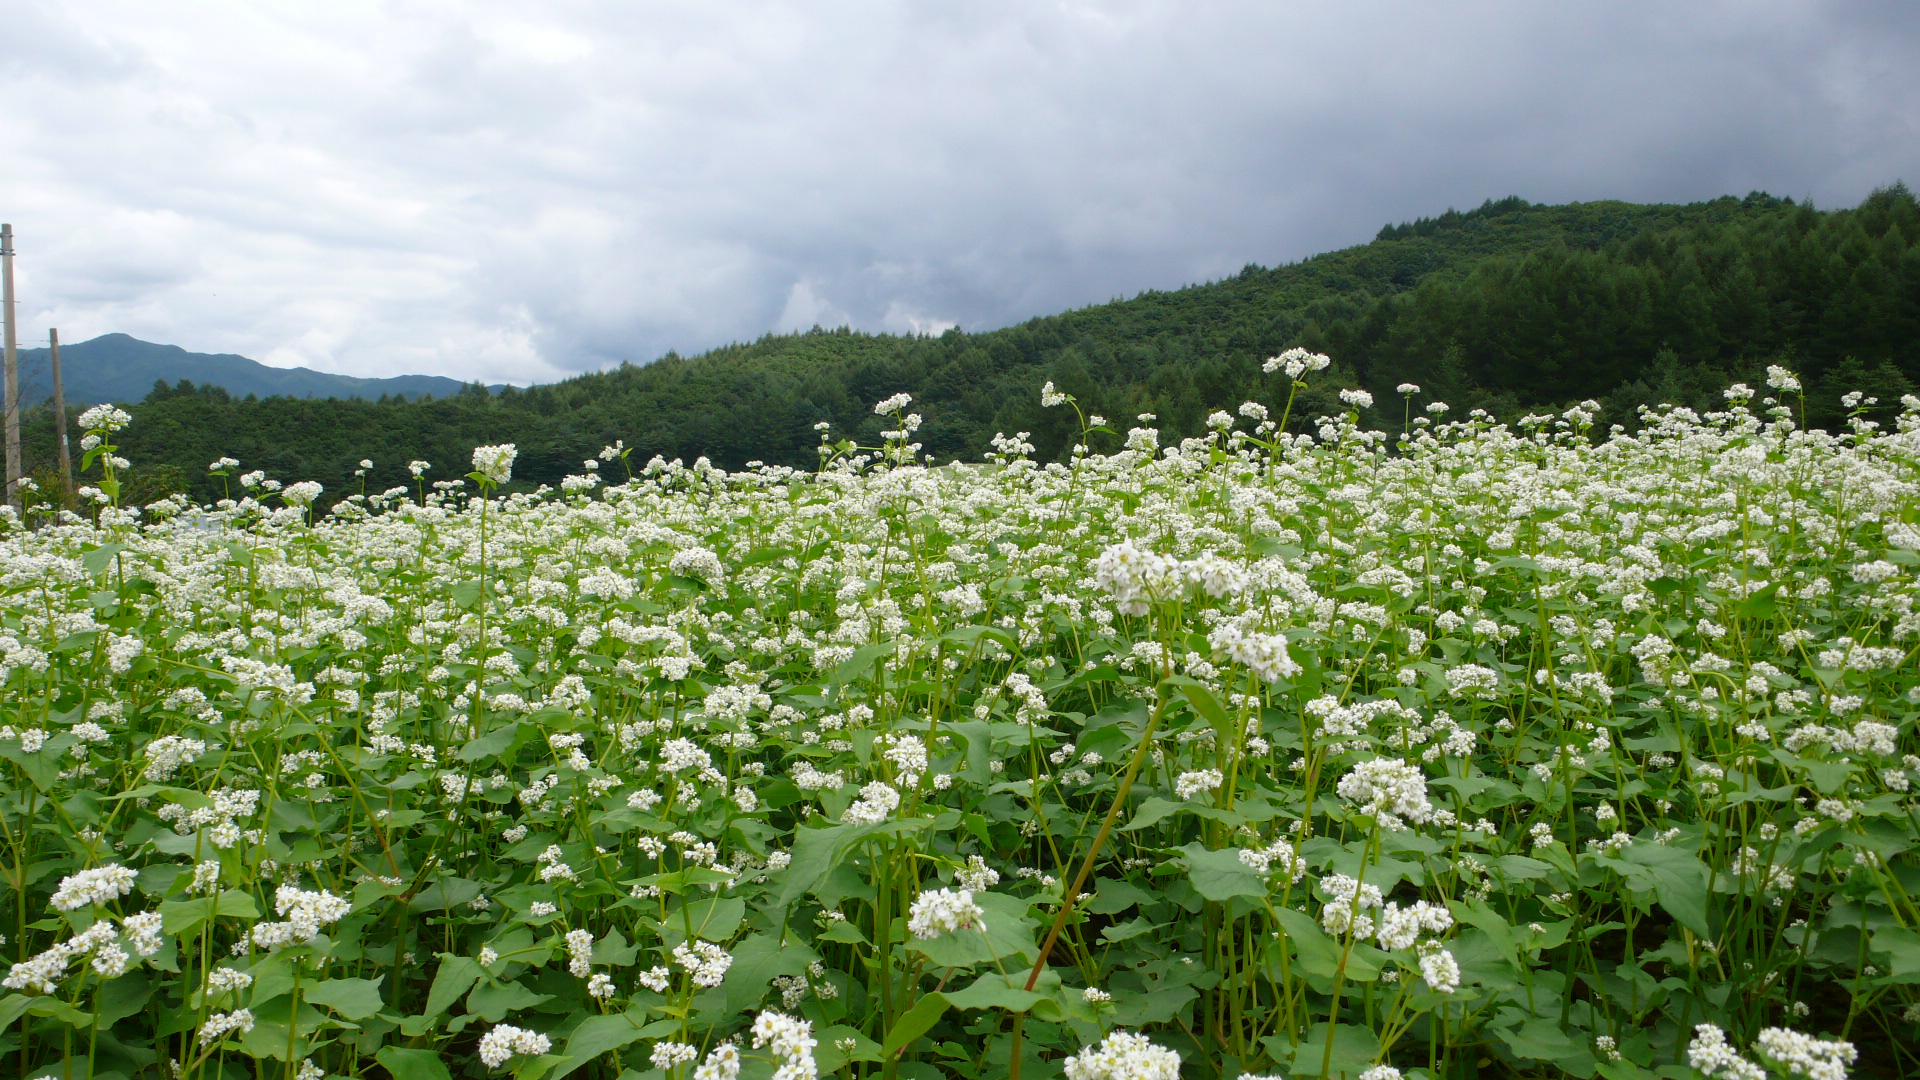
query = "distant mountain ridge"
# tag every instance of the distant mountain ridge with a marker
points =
(120, 368)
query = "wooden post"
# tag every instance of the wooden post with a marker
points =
(12, 369)
(60, 421)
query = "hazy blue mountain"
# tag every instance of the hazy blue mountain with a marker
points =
(115, 367)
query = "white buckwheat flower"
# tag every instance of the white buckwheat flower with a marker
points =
(1709, 1053)
(944, 911)
(495, 462)
(706, 962)
(1388, 790)
(1438, 968)
(143, 932)
(1124, 1055)
(667, 1054)
(1804, 1055)
(876, 801)
(167, 753)
(1190, 784)
(505, 1040)
(791, 1041)
(96, 886)
(220, 1025)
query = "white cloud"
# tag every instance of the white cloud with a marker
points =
(805, 309)
(513, 192)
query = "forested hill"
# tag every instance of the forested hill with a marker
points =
(1506, 307)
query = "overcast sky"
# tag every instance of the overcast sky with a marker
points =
(521, 191)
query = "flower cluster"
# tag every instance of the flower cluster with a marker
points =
(495, 462)
(1124, 1055)
(505, 1040)
(1296, 362)
(1389, 791)
(704, 961)
(944, 911)
(790, 1040)
(96, 886)
(306, 913)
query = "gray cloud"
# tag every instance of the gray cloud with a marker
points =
(517, 192)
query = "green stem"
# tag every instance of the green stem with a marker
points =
(1100, 840)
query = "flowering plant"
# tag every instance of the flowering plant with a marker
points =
(1285, 755)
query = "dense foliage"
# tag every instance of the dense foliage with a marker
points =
(1508, 307)
(1507, 753)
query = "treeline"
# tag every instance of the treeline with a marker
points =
(1509, 307)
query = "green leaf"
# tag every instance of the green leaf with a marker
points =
(597, 1035)
(123, 997)
(492, 1001)
(12, 1007)
(444, 893)
(1498, 930)
(1521, 868)
(456, 976)
(1114, 895)
(59, 1010)
(757, 961)
(278, 1029)
(817, 852)
(1206, 705)
(1761, 605)
(1541, 1039)
(1829, 777)
(1309, 681)
(1318, 956)
(714, 918)
(492, 744)
(41, 767)
(1355, 1048)
(831, 1058)
(996, 991)
(812, 862)
(614, 950)
(1152, 812)
(1132, 928)
(355, 999)
(977, 734)
(1220, 875)
(968, 635)
(1902, 947)
(405, 1064)
(860, 662)
(915, 1022)
(98, 560)
(1625, 1069)
(179, 917)
(1680, 883)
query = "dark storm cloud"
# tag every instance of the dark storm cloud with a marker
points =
(519, 191)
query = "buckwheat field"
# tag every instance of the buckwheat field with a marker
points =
(1483, 750)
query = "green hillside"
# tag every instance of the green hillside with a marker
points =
(1505, 307)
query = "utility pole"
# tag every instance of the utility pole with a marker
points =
(12, 370)
(60, 422)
